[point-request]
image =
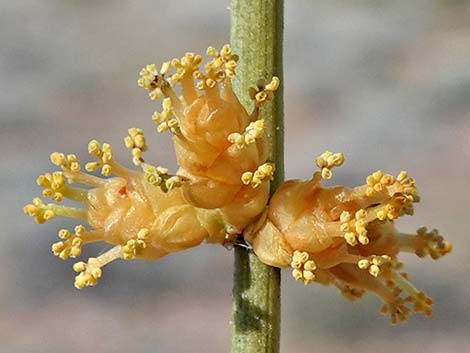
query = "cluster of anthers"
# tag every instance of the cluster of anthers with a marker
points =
(338, 236)
(303, 267)
(252, 132)
(133, 246)
(158, 176)
(327, 161)
(165, 120)
(264, 172)
(135, 141)
(103, 154)
(347, 237)
(374, 264)
(71, 244)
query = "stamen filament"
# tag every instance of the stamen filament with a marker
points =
(86, 179)
(66, 211)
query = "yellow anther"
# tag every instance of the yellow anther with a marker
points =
(106, 170)
(252, 132)
(373, 264)
(173, 182)
(402, 176)
(165, 120)
(79, 266)
(53, 184)
(273, 85)
(165, 68)
(303, 267)
(378, 181)
(247, 177)
(363, 264)
(133, 247)
(68, 163)
(136, 142)
(308, 276)
(39, 211)
(297, 274)
(360, 226)
(345, 216)
(57, 158)
(94, 148)
(143, 234)
(310, 266)
(360, 214)
(147, 76)
(210, 82)
(363, 239)
(188, 64)
(382, 215)
(222, 65)
(154, 81)
(265, 172)
(89, 273)
(354, 230)
(374, 270)
(263, 93)
(158, 176)
(152, 175)
(327, 161)
(350, 238)
(211, 51)
(48, 214)
(104, 154)
(71, 244)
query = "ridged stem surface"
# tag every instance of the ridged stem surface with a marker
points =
(256, 36)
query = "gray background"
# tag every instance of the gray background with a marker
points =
(386, 82)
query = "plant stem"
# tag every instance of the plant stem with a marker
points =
(256, 36)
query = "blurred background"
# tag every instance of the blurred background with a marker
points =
(386, 82)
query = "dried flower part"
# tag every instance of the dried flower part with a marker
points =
(349, 235)
(144, 215)
(216, 140)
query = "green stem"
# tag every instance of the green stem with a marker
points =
(256, 36)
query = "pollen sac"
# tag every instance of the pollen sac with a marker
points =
(346, 237)
(217, 142)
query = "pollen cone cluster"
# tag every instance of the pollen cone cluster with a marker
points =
(218, 144)
(347, 237)
(339, 236)
(222, 184)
